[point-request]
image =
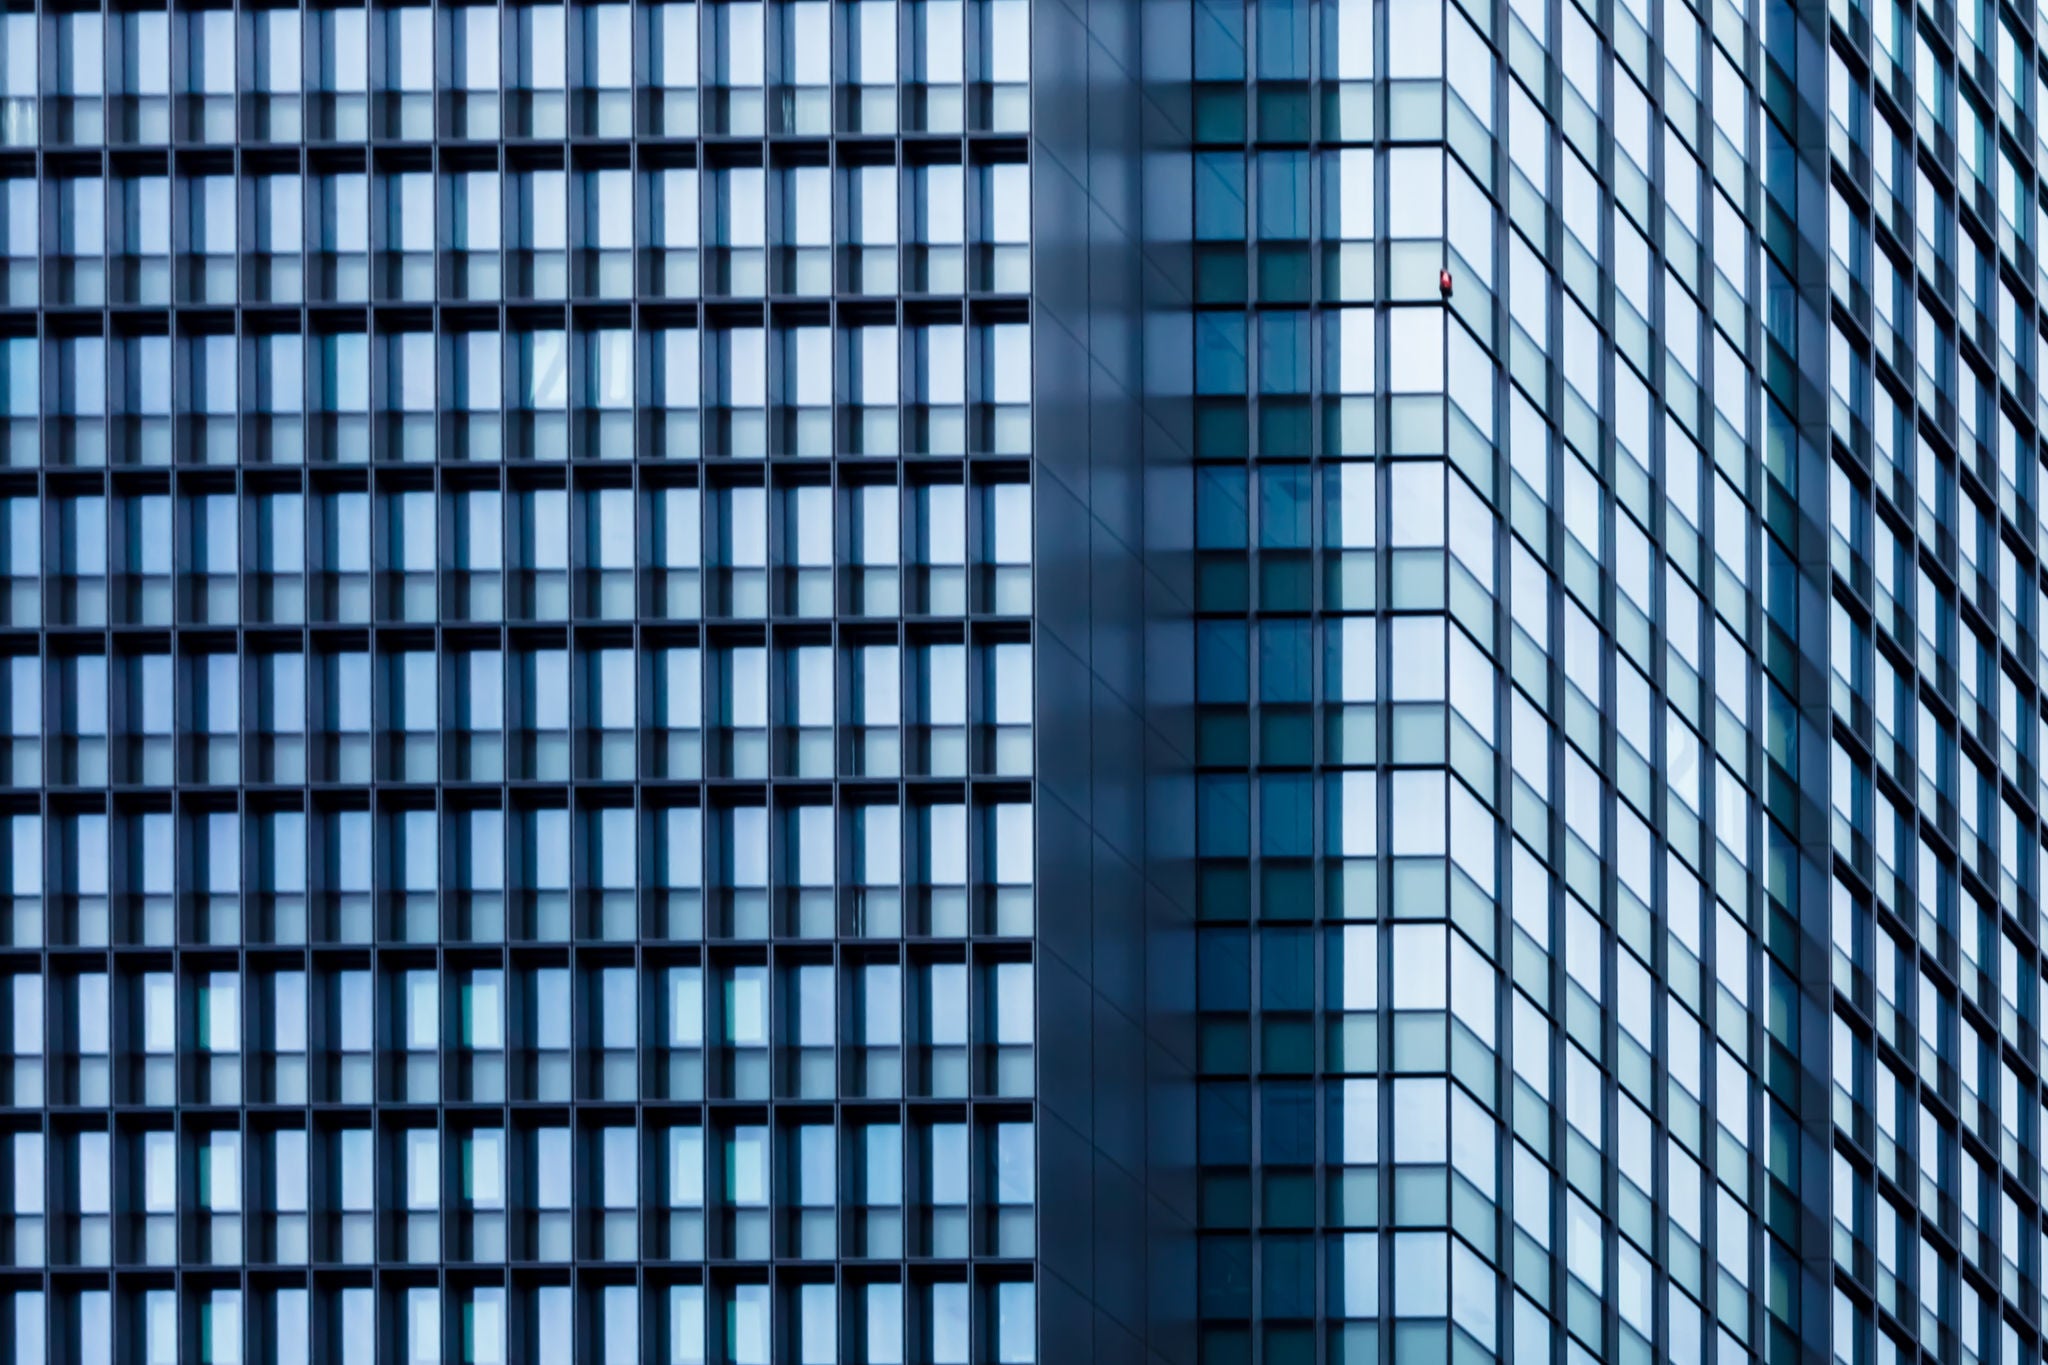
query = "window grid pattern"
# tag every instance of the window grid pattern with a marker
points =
(517, 525)
(1934, 548)
(1492, 1024)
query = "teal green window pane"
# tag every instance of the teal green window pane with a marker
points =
(1287, 981)
(1288, 1285)
(1283, 352)
(1284, 507)
(1283, 196)
(1219, 197)
(1283, 39)
(1286, 673)
(1220, 509)
(1287, 1123)
(1220, 662)
(1222, 814)
(1224, 1123)
(1223, 970)
(1219, 40)
(1226, 1277)
(1286, 803)
(1220, 353)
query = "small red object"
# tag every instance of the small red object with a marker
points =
(1443, 282)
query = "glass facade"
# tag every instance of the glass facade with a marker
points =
(1935, 674)
(925, 682)
(1509, 735)
(517, 651)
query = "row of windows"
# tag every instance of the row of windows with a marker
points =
(740, 1191)
(1438, 509)
(365, 871)
(610, 1032)
(155, 718)
(476, 553)
(348, 236)
(147, 77)
(877, 1319)
(536, 377)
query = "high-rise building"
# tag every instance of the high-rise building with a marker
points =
(939, 682)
